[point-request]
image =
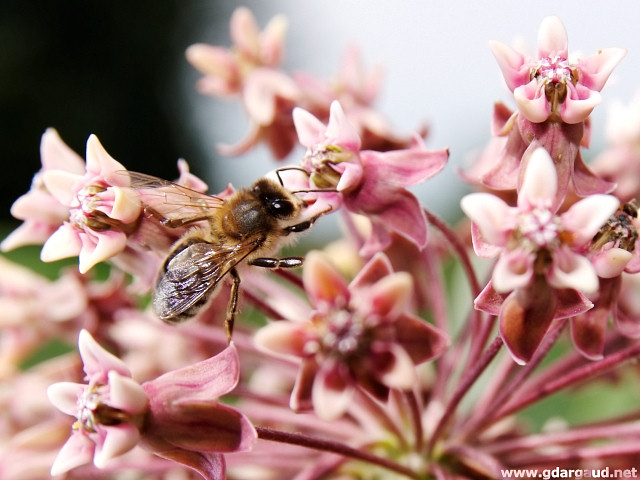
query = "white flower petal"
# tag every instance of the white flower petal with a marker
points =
(490, 213)
(512, 270)
(64, 396)
(126, 394)
(570, 270)
(118, 440)
(587, 216)
(540, 182)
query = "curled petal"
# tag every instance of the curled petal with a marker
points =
(244, 32)
(262, 90)
(511, 63)
(513, 270)
(76, 452)
(531, 102)
(611, 262)
(585, 218)
(375, 269)
(118, 440)
(571, 270)
(393, 366)
(126, 205)
(332, 391)
(596, 69)
(126, 394)
(388, 297)
(421, 340)
(576, 110)
(109, 244)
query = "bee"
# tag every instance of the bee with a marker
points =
(246, 227)
(620, 229)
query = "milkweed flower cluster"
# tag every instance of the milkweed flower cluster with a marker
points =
(359, 365)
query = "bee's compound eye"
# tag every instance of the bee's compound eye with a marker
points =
(280, 207)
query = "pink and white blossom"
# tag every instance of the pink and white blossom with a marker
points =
(536, 246)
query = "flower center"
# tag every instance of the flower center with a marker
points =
(92, 411)
(554, 70)
(539, 228)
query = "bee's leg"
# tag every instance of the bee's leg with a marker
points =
(175, 222)
(286, 262)
(302, 226)
(232, 308)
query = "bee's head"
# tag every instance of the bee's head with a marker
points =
(278, 200)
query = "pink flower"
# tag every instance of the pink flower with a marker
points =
(367, 182)
(359, 335)
(41, 212)
(109, 410)
(100, 212)
(542, 271)
(176, 416)
(249, 69)
(551, 86)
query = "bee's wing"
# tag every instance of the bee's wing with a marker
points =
(172, 202)
(191, 274)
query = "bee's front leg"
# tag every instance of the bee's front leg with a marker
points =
(286, 262)
(232, 308)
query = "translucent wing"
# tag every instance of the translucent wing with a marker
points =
(174, 204)
(191, 275)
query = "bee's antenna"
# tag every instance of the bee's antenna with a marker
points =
(306, 190)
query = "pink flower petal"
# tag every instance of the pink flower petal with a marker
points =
(64, 396)
(109, 244)
(97, 361)
(212, 60)
(126, 394)
(203, 381)
(126, 205)
(323, 282)
(287, 339)
(398, 370)
(585, 217)
(375, 269)
(310, 130)
(387, 298)
(262, 90)
(64, 243)
(596, 69)
(539, 185)
(99, 162)
(76, 452)
(513, 270)
(511, 64)
(340, 130)
(332, 391)
(62, 185)
(118, 440)
(571, 270)
(552, 38)
(421, 340)
(56, 155)
(244, 31)
(611, 262)
(576, 110)
(531, 102)
(491, 214)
